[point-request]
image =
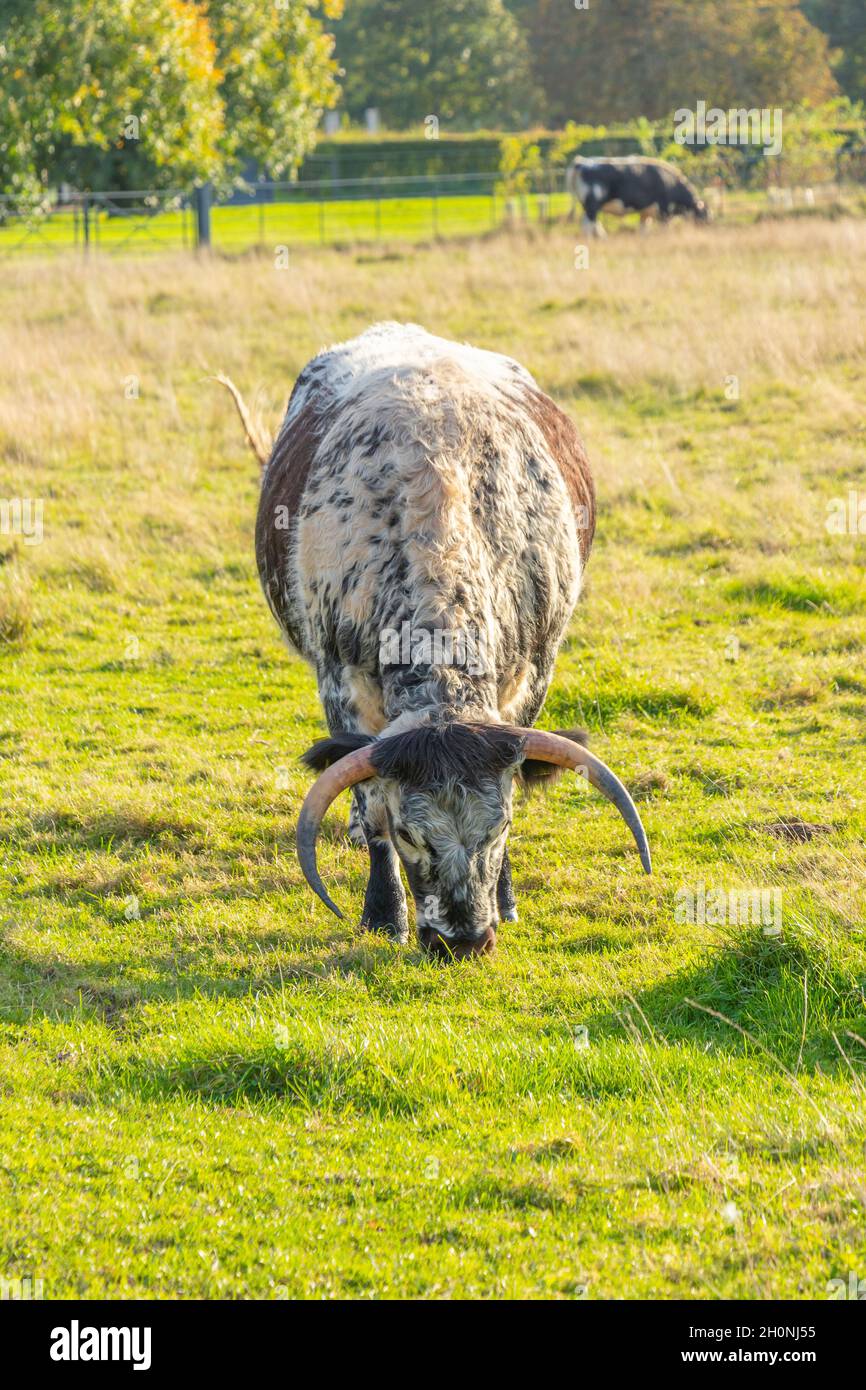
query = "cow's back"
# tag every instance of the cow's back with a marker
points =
(422, 481)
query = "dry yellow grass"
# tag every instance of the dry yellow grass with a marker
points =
(659, 316)
(682, 308)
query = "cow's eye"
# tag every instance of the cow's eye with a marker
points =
(411, 847)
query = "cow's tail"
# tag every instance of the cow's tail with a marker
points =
(256, 434)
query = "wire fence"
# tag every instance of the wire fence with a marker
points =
(325, 211)
(113, 221)
(275, 215)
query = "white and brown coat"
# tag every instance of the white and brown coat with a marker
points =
(422, 485)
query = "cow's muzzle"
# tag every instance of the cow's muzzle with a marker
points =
(450, 948)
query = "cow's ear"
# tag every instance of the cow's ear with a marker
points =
(329, 750)
(535, 774)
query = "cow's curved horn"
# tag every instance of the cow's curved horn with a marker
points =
(552, 748)
(345, 772)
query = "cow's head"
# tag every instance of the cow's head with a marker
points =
(445, 794)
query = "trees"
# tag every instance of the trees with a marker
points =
(119, 93)
(844, 23)
(619, 59)
(463, 61)
(102, 76)
(114, 93)
(277, 76)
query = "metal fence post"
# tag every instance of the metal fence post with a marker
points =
(203, 202)
(85, 213)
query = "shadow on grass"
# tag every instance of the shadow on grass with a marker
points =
(657, 1040)
(568, 705)
(756, 996)
(60, 831)
(31, 989)
(313, 1077)
(777, 999)
(131, 828)
(258, 964)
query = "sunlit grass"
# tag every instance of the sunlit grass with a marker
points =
(211, 1088)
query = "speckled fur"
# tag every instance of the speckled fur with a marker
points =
(422, 481)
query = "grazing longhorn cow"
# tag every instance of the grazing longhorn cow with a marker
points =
(647, 186)
(425, 517)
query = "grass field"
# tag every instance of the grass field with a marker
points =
(341, 222)
(269, 225)
(210, 1087)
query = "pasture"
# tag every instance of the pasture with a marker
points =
(209, 1086)
(295, 221)
(139, 225)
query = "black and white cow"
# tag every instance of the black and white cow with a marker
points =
(425, 517)
(647, 186)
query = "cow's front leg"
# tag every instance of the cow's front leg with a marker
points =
(385, 899)
(590, 223)
(505, 900)
(355, 831)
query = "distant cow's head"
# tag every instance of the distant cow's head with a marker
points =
(446, 791)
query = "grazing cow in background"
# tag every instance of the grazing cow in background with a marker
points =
(425, 517)
(647, 186)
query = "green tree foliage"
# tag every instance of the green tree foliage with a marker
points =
(811, 144)
(814, 142)
(73, 73)
(844, 23)
(118, 93)
(619, 59)
(277, 76)
(520, 165)
(463, 61)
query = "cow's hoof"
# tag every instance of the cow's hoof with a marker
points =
(509, 915)
(450, 948)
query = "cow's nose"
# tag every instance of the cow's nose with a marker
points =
(457, 947)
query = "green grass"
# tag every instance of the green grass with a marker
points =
(273, 224)
(337, 221)
(209, 1087)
